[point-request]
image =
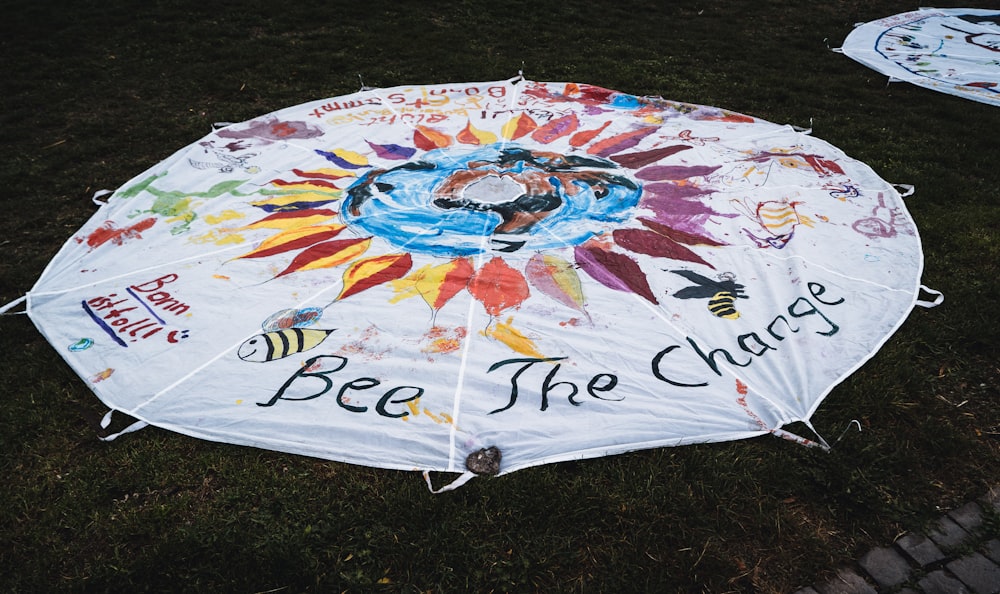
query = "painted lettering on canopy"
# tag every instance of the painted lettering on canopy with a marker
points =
(464, 97)
(530, 380)
(140, 313)
(597, 385)
(313, 380)
(333, 106)
(802, 314)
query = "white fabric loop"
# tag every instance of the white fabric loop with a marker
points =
(458, 482)
(100, 194)
(13, 304)
(133, 427)
(938, 299)
(106, 421)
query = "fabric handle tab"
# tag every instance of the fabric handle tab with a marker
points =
(938, 299)
(908, 189)
(96, 198)
(106, 420)
(458, 482)
(4, 309)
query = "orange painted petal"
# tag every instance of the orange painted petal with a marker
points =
(293, 239)
(428, 139)
(584, 136)
(327, 255)
(472, 135)
(498, 286)
(289, 219)
(367, 273)
(518, 127)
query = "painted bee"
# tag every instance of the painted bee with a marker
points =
(721, 294)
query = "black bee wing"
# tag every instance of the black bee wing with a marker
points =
(699, 279)
(696, 292)
(733, 287)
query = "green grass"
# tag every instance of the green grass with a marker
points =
(97, 92)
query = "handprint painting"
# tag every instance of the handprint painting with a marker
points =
(418, 276)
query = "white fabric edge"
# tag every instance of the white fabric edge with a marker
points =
(891, 332)
(287, 447)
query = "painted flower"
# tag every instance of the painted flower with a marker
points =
(498, 214)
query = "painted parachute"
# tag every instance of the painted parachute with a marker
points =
(952, 50)
(507, 273)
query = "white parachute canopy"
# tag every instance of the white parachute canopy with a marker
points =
(952, 50)
(511, 273)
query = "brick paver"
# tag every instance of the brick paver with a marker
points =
(947, 534)
(939, 582)
(886, 566)
(847, 581)
(956, 556)
(978, 573)
(921, 549)
(969, 516)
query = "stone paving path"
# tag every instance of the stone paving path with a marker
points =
(960, 554)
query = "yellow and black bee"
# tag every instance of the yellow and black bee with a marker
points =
(721, 294)
(281, 343)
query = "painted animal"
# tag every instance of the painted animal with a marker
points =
(721, 294)
(280, 344)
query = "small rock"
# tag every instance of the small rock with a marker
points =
(485, 461)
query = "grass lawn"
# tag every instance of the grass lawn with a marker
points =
(96, 92)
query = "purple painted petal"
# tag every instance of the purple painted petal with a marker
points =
(338, 161)
(671, 172)
(641, 241)
(392, 152)
(615, 271)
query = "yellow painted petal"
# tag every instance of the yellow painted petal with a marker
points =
(512, 337)
(435, 284)
(472, 135)
(226, 215)
(286, 200)
(351, 157)
(291, 223)
(218, 238)
(327, 172)
(298, 233)
(556, 278)
(518, 127)
(327, 255)
(370, 272)
(293, 239)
